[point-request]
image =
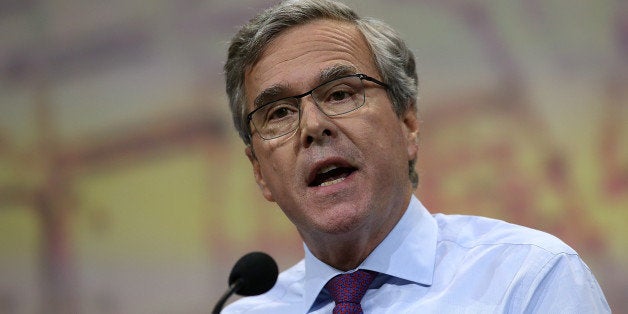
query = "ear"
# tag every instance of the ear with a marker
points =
(410, 125)
(257, 172)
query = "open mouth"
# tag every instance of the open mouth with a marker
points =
(331, 175)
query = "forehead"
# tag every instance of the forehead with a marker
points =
(295, 59)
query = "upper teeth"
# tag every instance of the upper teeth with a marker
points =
(327, 169)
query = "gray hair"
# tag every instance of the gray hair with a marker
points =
(391, 56)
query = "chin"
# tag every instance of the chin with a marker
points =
(340, 221)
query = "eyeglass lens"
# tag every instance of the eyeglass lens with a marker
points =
(332, 98)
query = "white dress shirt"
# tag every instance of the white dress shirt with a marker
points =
(448, 264)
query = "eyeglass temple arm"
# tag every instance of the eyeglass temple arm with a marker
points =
(368, 78)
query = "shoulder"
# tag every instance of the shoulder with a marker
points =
(475, 231)
(531, 270)
(284, 297)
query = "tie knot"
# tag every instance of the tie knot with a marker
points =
(347, 290)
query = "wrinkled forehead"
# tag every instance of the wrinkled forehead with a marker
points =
(301, 57)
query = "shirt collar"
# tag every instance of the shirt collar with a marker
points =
(407, 252)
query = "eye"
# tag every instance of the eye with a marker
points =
(279, 111)
(340, 94)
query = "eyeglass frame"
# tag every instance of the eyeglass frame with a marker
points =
(249, 117)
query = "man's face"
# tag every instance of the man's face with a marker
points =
(334, 175)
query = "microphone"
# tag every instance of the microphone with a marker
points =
(253, 274)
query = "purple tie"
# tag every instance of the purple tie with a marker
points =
(348, 289)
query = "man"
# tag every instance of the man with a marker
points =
(325, 102)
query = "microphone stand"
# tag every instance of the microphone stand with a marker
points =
(232, 288)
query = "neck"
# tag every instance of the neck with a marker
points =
(346, 251)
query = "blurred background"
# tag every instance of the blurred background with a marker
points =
(124, 188)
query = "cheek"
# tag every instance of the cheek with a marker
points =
(387, 143)
(383, 129)
(270, 170)
(276, 167)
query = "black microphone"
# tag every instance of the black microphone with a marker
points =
(253, 274)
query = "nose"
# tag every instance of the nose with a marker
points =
(316, 127)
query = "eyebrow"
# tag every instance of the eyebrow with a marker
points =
(336, 71)
(273, 92)
(269, 94)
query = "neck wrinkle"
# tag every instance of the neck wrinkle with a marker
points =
(348, 250)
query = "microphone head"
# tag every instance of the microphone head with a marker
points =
(254, 274)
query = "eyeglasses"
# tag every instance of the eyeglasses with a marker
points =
(336, 97)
